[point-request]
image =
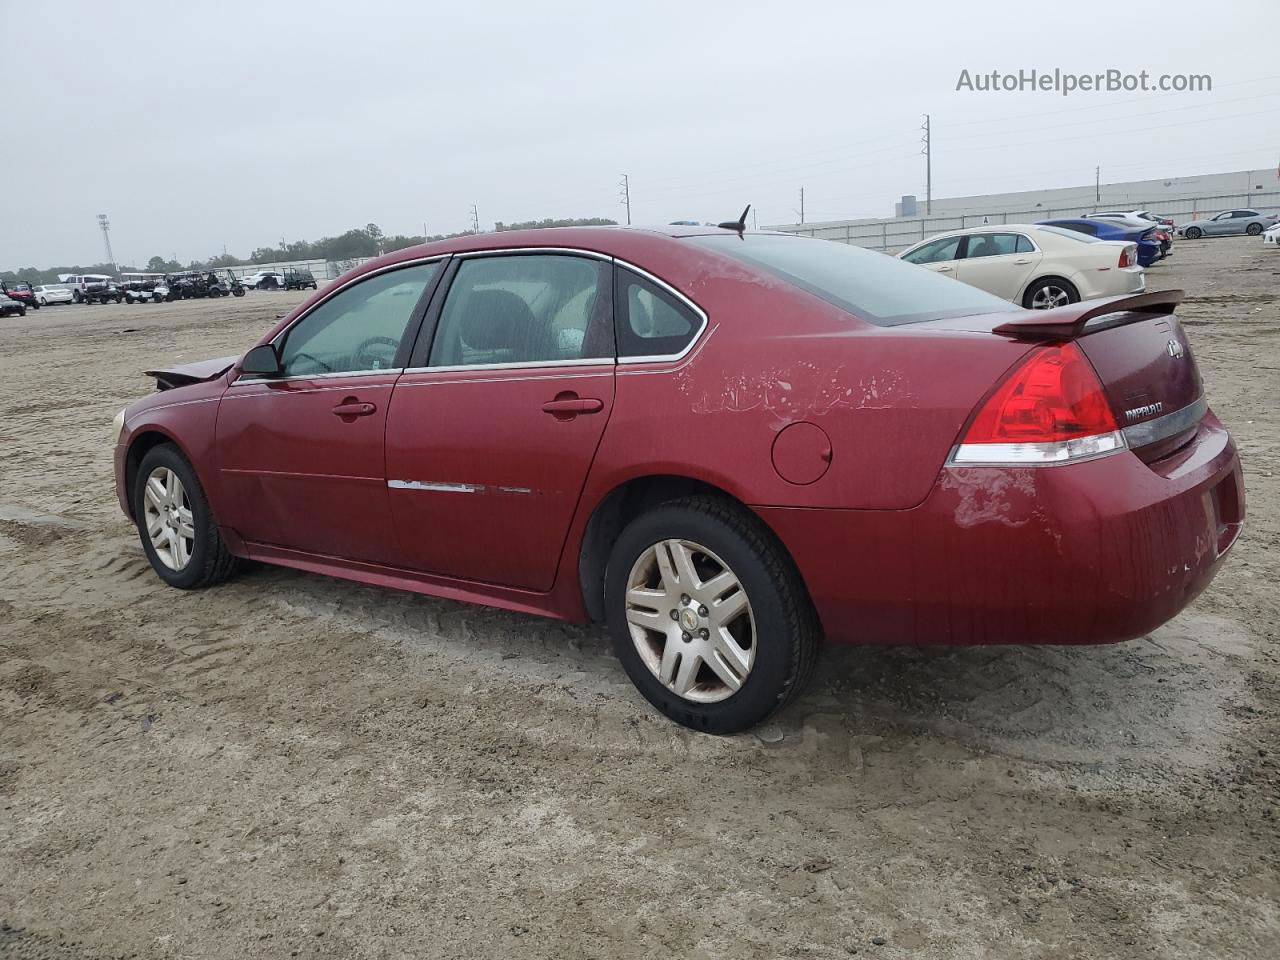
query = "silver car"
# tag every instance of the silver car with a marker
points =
(1229, 222)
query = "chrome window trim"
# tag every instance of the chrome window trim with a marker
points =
(697, 334)
(329, 295)
(1151, 431)
(515, 365)
(320, 376)
(577, 251)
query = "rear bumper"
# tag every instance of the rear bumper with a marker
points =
(1092, 552)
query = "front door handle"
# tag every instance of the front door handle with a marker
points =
(568, 405)
(350, 408)
(944, 270)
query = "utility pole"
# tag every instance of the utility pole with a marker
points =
(927, 150)
(625, 186)
(1097, 184)
(754, 224)
(475, 219)
(802, 204)
(105, 224)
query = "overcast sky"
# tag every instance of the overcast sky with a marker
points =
(195, 126)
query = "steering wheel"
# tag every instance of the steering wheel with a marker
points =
(376, 353)
(300, 355)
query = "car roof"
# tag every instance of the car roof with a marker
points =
(614, 241)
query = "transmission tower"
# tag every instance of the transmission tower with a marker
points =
(105, 224)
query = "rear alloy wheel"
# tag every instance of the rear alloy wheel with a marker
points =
(708, 615)
(175, 523)
(1253, 229)
(1194, 233)
(1049, 293)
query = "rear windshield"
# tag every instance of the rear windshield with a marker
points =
(872, 286)
(1068, 232)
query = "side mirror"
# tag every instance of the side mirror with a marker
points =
(262, 361)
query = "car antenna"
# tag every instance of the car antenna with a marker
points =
(740, 224)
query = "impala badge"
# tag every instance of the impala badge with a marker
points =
(1175, 350)
(1137, 413)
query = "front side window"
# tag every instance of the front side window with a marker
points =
(935, 251)
(528, 309)
(359, 329)
(651, 321)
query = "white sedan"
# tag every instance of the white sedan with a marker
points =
(52, 293)
(1272, 237)
(264, 280)
(1039, 267)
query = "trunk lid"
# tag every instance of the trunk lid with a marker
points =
(1151, 380)
(1140, 353)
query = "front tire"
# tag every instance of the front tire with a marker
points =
(1050, 292)
(175, 524)
(708, 614)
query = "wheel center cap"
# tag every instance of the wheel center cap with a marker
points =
(689, 620)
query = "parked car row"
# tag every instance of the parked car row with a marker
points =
(1038, 266)
(1229, 223)
(1051, 263)
(148, 287)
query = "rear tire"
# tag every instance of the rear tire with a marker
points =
(1049, 292)
(1194, 233)
(207, 560)
(1253, 229)
(768, 627)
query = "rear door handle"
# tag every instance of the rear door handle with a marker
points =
(351, 408)
(568, 405)
(1022, 260)
(944, 270)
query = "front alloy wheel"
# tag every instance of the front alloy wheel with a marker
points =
(175, 523)
(168, 518)
(690, 620)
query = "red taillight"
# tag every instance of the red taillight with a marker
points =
(1126, 258)
(1050, 410)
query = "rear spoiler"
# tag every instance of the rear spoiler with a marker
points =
(1064, 323)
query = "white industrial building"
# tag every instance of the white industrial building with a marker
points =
(1181, 198)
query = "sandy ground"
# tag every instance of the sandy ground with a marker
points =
(293, 766)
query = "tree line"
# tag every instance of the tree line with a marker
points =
(366, 241)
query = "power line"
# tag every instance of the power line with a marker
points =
(928, 166)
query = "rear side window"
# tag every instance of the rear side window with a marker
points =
(991, 245)
(526, 309)
(875, 287)
(651, 322)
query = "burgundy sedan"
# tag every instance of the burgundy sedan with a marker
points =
(724, 445)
